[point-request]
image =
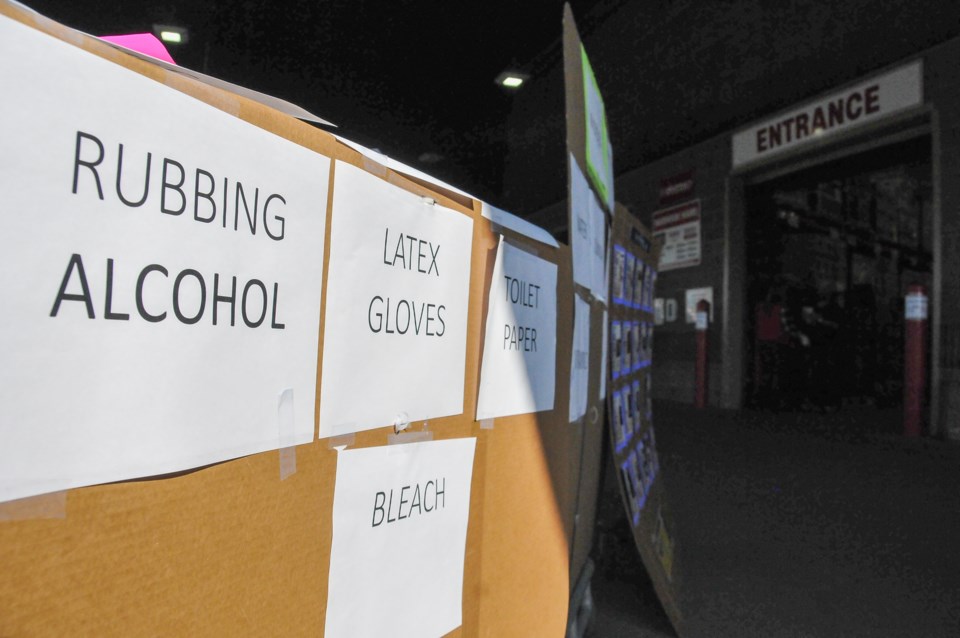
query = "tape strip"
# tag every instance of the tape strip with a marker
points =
(49, 506)
(342, 441)
(486, 424)
(409, 437)
(373, 166)
(285, 418)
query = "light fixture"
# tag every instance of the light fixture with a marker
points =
(512, 79)
(171, 34)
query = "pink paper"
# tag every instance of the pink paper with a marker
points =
(145, 43)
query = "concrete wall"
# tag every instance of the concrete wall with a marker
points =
(674, 342)
(942, 91)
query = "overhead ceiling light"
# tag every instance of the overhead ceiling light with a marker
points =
(170, 34)
(512, 79)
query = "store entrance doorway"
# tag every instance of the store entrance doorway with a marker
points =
(831, 251)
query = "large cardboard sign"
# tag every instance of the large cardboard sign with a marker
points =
(161, 281)
(396, 311)
(632, 435)
(399, 536)
(599, 153)
(236, 548)
(518, 374)
(587, 136)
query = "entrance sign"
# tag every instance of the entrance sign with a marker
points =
(161, 281)
(518, 374)
(868, 101)
(678, 229)
(396, 315)
(399, 536)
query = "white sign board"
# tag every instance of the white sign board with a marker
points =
(161, 281)
(588, 236)
(395, 326)
(693, 297)
(678, 230)
(664, 310)
(580, 361)
(916, 307)
(399, 535)
(518, 373)
(865, 102)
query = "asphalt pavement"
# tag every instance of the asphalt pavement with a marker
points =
(800, 525)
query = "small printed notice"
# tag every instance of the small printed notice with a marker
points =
(599, 153)
(916, 307)
(518, 374)
(588, 236)
(395, 327)
(399, 536)
(580, 363)
(678, 228)
(161, 281)
(694, 296)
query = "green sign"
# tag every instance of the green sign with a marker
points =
(598, 151)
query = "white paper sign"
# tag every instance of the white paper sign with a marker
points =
(678, 230)
(395, 327)
(517, 224)
(603, 358)
(160, 278)
(580, 362)
(588, 235)
(693, 297)
(399, 534)
(518, 374)
(916, 307)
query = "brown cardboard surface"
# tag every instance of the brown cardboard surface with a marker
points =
(525, 536)
(230, 549)
(591, 429)
(573, 92)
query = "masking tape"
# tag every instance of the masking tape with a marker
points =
(342, 441)
(409, 437)
(50, 506)
(287, 434)
(486, 424)
(373, 166)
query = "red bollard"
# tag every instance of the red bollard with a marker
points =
(703, 322)
(914, 359)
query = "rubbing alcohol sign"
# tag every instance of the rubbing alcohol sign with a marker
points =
(161, 281)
